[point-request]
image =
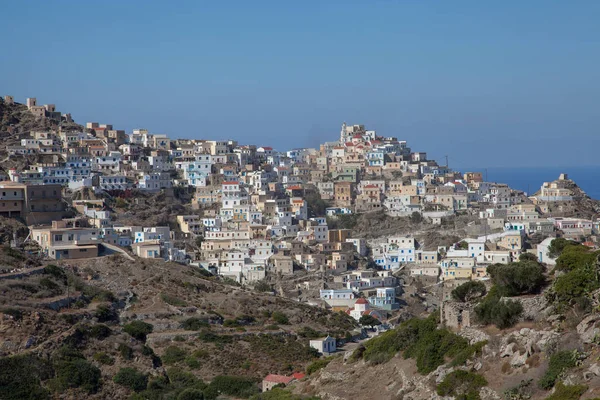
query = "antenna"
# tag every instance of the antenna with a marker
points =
(446, 161)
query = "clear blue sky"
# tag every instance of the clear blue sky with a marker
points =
(488, 83)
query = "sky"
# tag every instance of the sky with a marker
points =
(492, 84)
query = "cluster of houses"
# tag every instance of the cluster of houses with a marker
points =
(252, 212)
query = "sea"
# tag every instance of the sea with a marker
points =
(530, 179)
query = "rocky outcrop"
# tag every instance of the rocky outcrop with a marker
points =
(521, 345)
(589, 329)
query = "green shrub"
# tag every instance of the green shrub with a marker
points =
(104, 358)
(502, 313)
(21, 376)
(125, 351)
(272, 327)
(192, 362)
(574, 284)
(191, 394)
(131, 378)
(559, 362)
(567, 392)
(200, 353)
(469, 291)
(100, 331)
(236, 386)
(56, 272)
(517, 278)
(172, 300)
(194, 324)
(369, 320)
(557, 246)
(173, 354)
(280, 318)
(309, 333)
(16, 314)
(278, 393)
(317, 365)
(468, 352)
(49, 284)
(462, 385)
(105, 313)
(77, 374)
(138, 329)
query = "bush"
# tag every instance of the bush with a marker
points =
(56, 272)
(125, 351)
(557, 246)
(236, 386)
(502, 313)
(105, 313)
(77, 374)
(100, 331)
(21, 376)
(559, 362)
(280, 318)
(317, 365)
(192, 362)
(194, 324)
(16, 314)
(469, 291)
(528, 257)
(131, 378)
(567, 392)
(104, 358)
(173, 354)
(575, 256)
(172, 300)
(517, 278)
(419, 339)
(278, 393)
(262, 286)
(138, 329)
(191, 394)
(50, 285)
(468, 352)
(462, 385)
(575, 283)
(369, 320)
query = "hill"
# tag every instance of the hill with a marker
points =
(167, 321)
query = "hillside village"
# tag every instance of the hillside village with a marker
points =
(280, 223)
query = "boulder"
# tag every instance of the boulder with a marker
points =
(589, 328)
(508, 350)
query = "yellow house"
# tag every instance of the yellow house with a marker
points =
(455, 272)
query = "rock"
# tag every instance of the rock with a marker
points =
(589, 328)
(594, 369)
(518, 359)
(473, 335)
(30, 342)
(509, 350)
(478, 365)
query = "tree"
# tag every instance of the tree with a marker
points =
(517, 278)
(527, 257)
(368, 320)
(138, 329)
(557, 246)
(131, 378)
(462, 245)
(416, 217)
(502, 313)
(468, 291)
